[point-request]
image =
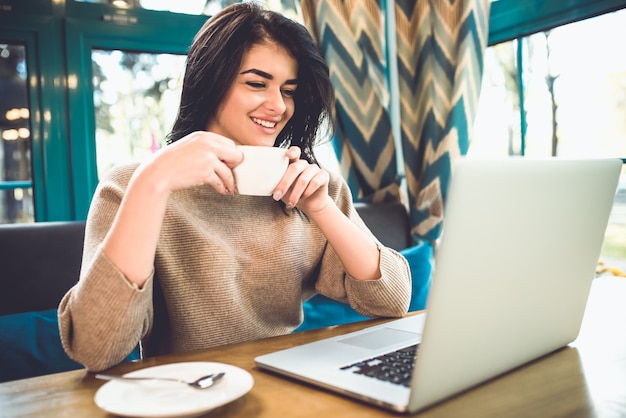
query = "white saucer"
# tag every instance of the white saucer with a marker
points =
(171, 399)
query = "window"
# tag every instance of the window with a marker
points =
(560, 92)
(65, 45)
(572, 84)
(136, 98)
(16, 199)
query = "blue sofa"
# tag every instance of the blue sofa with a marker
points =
(39, 262)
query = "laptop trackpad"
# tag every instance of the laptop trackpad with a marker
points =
(380, 338)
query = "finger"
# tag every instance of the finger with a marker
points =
(226, 178)
(218, 175)
(319, 181)
(302, 183)
(294, 153)
(224, 148)
(293, 171)
(219, 139)
(231, 157)
(213, 179)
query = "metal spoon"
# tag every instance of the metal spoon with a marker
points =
(203, 382)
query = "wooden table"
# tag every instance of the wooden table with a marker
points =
(586, 379)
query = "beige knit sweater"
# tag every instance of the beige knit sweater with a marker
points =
(230, 269)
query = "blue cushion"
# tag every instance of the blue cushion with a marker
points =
(420, 262)
(30, 345)
(320, 311)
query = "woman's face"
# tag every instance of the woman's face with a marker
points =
(260, 101)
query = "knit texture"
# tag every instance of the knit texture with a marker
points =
(230, 269)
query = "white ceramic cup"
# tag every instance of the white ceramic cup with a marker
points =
(261, 169)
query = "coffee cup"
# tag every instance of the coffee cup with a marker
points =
(261, 169)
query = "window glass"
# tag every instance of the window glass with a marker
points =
(574, 100)
(497, 126)
(574, 93)
(136, 98)
(16, 201)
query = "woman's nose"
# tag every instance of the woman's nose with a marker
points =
(275, 102)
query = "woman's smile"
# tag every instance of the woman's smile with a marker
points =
(264, 123)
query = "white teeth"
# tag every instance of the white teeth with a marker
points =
(264, 123)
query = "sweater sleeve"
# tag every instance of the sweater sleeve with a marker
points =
(103, 317)
(389, 296)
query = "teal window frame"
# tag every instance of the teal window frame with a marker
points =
(49, 157)
(88, 27)
(511, 20)
(60, 34)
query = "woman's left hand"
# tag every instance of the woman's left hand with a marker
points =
(304, 185)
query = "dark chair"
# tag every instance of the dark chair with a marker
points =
(39, 263)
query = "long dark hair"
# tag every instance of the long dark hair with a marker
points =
(214, 60)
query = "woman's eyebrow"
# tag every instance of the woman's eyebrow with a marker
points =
(267, 75)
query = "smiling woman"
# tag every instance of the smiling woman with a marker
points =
(173, 232)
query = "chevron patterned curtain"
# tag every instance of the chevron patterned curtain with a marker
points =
(351, 34)
(440, 46)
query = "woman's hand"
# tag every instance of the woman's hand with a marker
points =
(304, 185)
(198, 158)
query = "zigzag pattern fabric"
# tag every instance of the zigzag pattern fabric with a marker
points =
(351, 34)
(440, 47)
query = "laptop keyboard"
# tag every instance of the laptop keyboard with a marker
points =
(395, 367)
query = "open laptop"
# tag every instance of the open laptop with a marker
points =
(511, 279)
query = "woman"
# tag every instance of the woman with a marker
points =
(229, 267)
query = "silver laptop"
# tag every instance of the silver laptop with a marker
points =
(512, 274)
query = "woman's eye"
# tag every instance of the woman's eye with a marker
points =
(255, 84)
(289, 92)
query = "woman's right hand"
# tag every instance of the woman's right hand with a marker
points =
(196, 159)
